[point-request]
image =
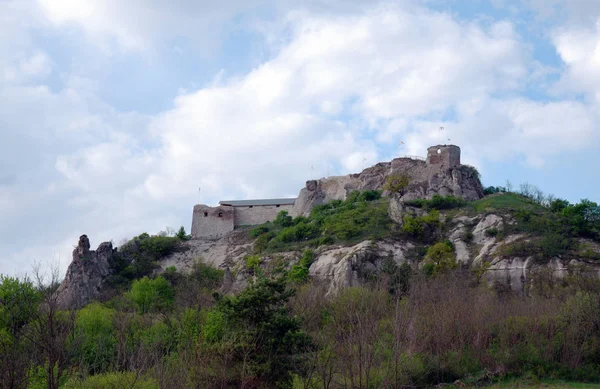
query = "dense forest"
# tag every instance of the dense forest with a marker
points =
(409, 326)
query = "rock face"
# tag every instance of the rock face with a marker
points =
(86, 276)
(426, 180)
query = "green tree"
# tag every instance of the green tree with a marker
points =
(152, 295)
(283, 219)
(96, 337)
(397, 184)
(266, 343)
(18, 306)
(440, 258)
(181, 234)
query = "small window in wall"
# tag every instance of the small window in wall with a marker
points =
(439, 151)
(250, 206)
(277, 206)
(205, 214)
(220, 214)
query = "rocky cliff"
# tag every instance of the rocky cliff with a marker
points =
(426, 180)
(86, 276)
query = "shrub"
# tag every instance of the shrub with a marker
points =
(152, 295)
(182, 235)
(269, 343)
(467, 237)
(208, 276)
(421, 227)
(283, 219)
(438, 202)
(253, 262)
(97, 343)
(441, 256)
(258, 231)
(129, 380)
(362, 215)
(396, 184)
(299, 272)
(491, 232)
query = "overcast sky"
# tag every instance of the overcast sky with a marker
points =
(114, 113)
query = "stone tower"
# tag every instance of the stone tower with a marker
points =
(447, 156)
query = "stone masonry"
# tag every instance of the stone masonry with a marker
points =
(440, 174)
(214, 222)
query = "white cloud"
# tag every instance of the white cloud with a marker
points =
(338, 88)
(141, 24)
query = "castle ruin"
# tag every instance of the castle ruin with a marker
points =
(213, 222)
(441, 173)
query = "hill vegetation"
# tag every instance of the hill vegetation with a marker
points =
(409, 327)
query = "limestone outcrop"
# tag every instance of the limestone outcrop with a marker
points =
(426, 180)
(86, 276)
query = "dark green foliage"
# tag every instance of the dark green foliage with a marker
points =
(438, 202)
(264, 338)
(399, 277)
(283, 219)
(362, 215)
(152, 295)
(494, 189)
(182, 235)
(299, 272)
(467, 237)
(207, 276)
(138, 257)
(422, 227)
(258, 231)
(491, 232)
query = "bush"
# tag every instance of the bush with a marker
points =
(129, 380)
(253, 262)
(492, 232)
(441, 256)
(438, 202)
(421, 227)
(362, 215)
(258, 231)
(396, 184)
(97, 343)
(182, 235)
(299, 272)
(152, 295)
(283, 219)
(269, 342)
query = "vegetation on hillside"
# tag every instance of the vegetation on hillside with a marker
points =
(364, 215)
(408, 327)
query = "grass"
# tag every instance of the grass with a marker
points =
(509, 202)
(529, 384)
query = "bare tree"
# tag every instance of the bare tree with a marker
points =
(52, 328)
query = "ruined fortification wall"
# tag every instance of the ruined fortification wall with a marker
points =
(259, 214)
(447, 156)
(212, 222)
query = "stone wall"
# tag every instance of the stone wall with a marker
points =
(212, 222)
(447, 156)
(259, 214)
